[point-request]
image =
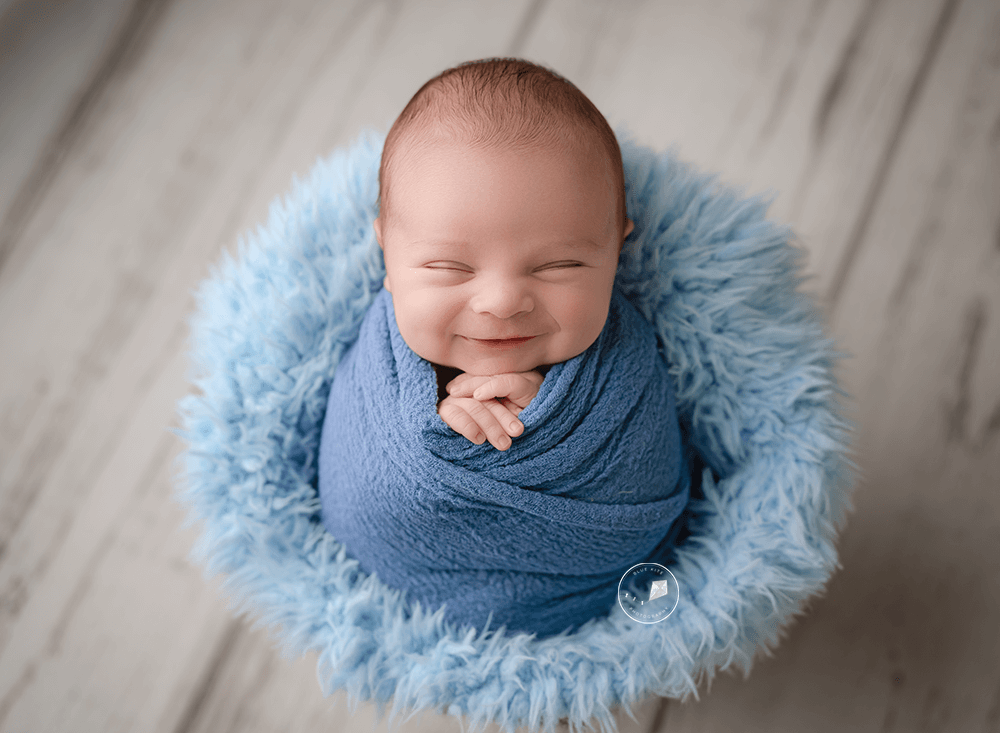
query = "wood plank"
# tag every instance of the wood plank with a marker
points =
(54, 60)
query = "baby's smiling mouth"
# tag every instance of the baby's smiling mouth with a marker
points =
(510, 343)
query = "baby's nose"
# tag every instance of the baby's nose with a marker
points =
(502, 297)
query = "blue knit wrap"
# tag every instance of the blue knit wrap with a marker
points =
(538, 535)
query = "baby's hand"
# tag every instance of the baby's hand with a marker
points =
(514, 390)
(482, 408)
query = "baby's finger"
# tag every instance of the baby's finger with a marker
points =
(513, 386)
(514, 410)
(464, 385)
(460, 421)
(505, 416)
(483, 414)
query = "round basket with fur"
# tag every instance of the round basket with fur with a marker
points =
(756, 396)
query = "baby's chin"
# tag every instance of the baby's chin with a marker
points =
(492, 367)
(518, 359)
(504, 363)
(489, 365)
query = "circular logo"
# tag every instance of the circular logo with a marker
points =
(648, 592)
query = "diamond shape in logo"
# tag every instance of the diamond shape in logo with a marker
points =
(660, 588)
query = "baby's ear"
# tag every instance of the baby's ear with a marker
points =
(629, 226)
(377, 225)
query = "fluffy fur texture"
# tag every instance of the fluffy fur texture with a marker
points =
(756, 394)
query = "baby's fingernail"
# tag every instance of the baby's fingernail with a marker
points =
(515, 425)
(505, 443)
(479, 438)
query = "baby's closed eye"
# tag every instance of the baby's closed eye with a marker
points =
(448, 266)
(461, 267)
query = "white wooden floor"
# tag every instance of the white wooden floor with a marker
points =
(138, 138)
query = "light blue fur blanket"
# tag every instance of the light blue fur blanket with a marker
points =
(536, 537)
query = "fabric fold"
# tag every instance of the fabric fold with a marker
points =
(538, 535)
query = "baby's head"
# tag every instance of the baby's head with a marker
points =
(501, 217)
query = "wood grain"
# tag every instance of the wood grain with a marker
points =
(138, 138)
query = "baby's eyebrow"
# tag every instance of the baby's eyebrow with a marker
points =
(456, 243)
(438, 242)
(588, 243)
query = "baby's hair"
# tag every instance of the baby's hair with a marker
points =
(503, 101)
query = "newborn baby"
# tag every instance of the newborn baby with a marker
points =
(502, 216)
(500, 254)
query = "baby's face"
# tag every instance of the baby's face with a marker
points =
(500, 261)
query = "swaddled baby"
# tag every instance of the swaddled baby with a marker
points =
(502, 438)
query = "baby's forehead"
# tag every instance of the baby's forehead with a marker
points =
(559, 140)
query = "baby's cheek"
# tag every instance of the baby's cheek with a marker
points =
(593, 316)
